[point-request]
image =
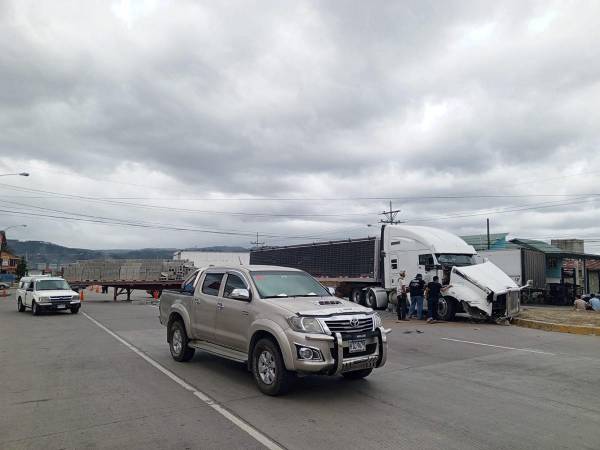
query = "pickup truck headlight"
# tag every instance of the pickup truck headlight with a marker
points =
(377, 322)
(305, 324)
(43, 299)
(75, 297)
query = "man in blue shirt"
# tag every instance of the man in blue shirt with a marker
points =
(595, 303)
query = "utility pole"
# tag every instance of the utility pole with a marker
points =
(257, 244)
(390, 216)
(488, 234)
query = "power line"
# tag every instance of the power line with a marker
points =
(534, 206)
(528, 182)
(198, 211)
(58, 195)
(139, 224)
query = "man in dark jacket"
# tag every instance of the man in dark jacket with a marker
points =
(417, 289)
(434, 291)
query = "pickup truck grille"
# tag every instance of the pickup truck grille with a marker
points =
(350, 325)
(62, 298)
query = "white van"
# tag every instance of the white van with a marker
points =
(41, 293)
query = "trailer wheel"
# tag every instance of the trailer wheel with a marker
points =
(371, 299)
(446, 308)
(357, 296)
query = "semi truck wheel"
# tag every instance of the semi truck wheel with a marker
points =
(357, 296)
(371, 299)
(269, 370)
(178, 342)
(446, 308)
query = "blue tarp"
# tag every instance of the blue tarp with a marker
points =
(7, 277)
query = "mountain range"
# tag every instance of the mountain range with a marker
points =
(40, 252)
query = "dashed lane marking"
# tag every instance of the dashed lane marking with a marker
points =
(498, 346)
(239, 422)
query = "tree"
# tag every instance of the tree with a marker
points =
(21, 270)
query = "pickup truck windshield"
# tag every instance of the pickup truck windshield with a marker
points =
(51, 285)
(287, 284)
(455, 260)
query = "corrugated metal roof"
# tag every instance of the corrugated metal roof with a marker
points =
(589, 265)
(480, 242)
(539, 246)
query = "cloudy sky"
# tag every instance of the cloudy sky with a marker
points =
(187, 123)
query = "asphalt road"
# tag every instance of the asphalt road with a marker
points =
(68, 383)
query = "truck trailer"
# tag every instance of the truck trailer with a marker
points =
(371, 270)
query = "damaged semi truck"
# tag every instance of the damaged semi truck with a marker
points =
(370, 270)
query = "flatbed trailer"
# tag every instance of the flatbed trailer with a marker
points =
(126, 287)
(127, 275)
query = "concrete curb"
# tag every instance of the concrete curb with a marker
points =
(561, 328)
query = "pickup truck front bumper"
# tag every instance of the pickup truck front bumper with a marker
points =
(335, 356)
(58, 305)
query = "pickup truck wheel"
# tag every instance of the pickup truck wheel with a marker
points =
(269, 369)
(178, 343)
(20, 305)
(357, 374)
(35, 309)
(75, 309)
(446, 308)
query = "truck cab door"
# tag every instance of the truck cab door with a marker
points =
(204, 307)
(394, 280)
(233, 314)
(28, 293)
(427, 267)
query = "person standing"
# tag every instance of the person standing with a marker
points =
(434, 291)
(402, 300)
(416, 288)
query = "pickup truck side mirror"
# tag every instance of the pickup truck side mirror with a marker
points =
(30, 289)
(331, 290)
(240, 294)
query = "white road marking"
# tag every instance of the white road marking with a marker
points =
(240, 423)
(498, 346)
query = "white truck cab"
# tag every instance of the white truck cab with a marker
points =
(478, 287)
(40, 293)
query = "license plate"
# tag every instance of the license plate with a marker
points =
(357, 346)
(61, 306)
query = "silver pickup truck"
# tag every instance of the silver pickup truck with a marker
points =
(279, 321)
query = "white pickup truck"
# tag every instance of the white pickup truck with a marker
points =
(279, 321)
(45, 293)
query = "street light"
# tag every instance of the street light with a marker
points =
(22, 174)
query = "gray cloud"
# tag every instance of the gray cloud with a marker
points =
(303, 99)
